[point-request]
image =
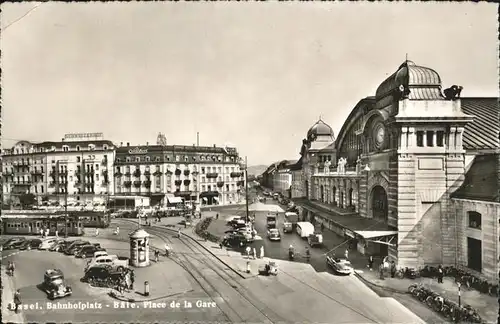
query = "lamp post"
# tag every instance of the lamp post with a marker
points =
(459, 294)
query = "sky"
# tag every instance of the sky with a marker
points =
(252, 75)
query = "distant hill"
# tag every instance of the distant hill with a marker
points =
(257, 169)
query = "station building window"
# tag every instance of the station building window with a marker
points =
(420, 138)
(474, 220)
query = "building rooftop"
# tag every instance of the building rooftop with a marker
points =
(424, 82)
(481, 181)
(318, 129)
(483, 132)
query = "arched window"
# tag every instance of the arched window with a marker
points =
(474, 219)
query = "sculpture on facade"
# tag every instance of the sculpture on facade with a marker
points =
(326, 167)
(358, 165)
(341, 165)
(453, 92)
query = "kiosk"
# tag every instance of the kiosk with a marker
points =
(139, 248)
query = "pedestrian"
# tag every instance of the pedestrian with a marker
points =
(132, 277)
(217, 216)
(167, 250)
(12, 268)
(57, 233)
(254, 253)
(322, 227)
(179, 233)
(346, 254)
(393, 269)
(370, 262)
(248, 249)
(381, 271)
(262, 251)
(96, 232)
(17, 300)
(157, 255)
(440, 274)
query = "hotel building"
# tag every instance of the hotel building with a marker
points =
(205, 175)
(77, 169)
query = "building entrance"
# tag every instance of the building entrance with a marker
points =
(474, 259)
(379, 204)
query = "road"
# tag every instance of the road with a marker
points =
(296, 295)
(279, 250)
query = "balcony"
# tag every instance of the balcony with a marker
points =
(127, 173)
(53, 174)
(37, 172)
(89, 171)
(178, 182)
(137, 173)
(25, 183)
(127, 184)
(212, 175)
(147, 173)
(195, 173)
(240, 183)
(147, 184)
(236, 174)
(157, 173)
(104, 161)
(137, 184)
(63, 173)
(23, 164)
(52, 184)
(104, 172)
(186, 172)
(187, 182)
(178, 172)
(104, 183)
(220, 184)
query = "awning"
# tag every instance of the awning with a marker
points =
(174, 200)
(381, 237)
(204, 198)
(216, 198)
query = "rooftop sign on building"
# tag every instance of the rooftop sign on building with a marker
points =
(84, 137)
(137, 150)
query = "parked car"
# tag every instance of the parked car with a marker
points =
(54, 284)
(99, 272)
(73, 247)
(47, 243)
(116, 262)
(87, 251)
(339, 265)
(232, 219)
(59, 246)
(13, 243)
(274, 234)
(30, 244)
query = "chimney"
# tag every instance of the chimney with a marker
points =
(147, 143)
(121, 144)
(214, 145)
(128, 143)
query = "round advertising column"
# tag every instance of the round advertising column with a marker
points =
(139, 248)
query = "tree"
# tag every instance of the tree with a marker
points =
(27, 200)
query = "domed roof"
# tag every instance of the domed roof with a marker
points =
(409, 75)
(320, 128)
(139, 233)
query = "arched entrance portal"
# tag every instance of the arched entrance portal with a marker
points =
(379, 204)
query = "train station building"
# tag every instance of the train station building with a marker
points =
(414, 174)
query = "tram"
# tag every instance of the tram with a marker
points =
(32, 224)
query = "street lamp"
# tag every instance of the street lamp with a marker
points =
(459, 293)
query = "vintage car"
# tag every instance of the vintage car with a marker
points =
(274, 234)
(341, 266)
(315, 239)
(30, 244)
(73, 247)
(101, 272)
(54, 285)
(13, 243)
(59, 246)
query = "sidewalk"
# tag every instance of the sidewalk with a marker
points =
(8, 288)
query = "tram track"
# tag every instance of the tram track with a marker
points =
(200, 264)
